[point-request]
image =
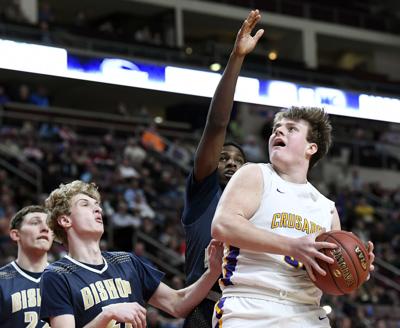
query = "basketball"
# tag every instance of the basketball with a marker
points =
(351, 266)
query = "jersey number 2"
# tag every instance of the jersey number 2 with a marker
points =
(32, 318)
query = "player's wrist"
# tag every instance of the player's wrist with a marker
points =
(289, 246)
(108, 313)
(235, 54)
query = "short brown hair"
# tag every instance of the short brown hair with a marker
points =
(19, 217)
(319, 131)
(59, 203)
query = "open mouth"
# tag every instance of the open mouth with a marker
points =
(278, 143)
(228, 173)
(44, 238)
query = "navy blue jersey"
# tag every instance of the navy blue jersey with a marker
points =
(19, 298)
(71, 287)
(201, 201)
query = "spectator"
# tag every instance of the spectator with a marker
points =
(152, 140)
(134, 153)
(124, 226)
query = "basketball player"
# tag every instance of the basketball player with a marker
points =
(268, 218)
(19, 280)
(88, 288)
(214, 164)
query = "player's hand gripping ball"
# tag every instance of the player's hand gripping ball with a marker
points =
(351, 266)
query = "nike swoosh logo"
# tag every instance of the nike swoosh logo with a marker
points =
(322, 318)
(282, 192)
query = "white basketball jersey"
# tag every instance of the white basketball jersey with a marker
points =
(288, 209)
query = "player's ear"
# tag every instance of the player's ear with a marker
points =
(64, 221)
(14, 234)
(312, 148)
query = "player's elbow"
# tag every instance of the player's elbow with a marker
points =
(219, 230)
(178, 304)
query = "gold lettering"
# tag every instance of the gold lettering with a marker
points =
(291, 220)
(306, 227)
(348, 277)
(284, 220)
(31, 294)
(111, 289)
(95, 294)
(361, 257)
(275, 221)
(126, 287)
(32, 318)
(298, 223)
(102, 291)
(313, 227)
(16, 302)
(87, 298)
(123, 287)
(38, 297)
(24, 301)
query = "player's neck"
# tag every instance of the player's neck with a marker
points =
(87, 252)
(35, 262)
(293, 175)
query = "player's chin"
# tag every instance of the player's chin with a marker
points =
(42, 246)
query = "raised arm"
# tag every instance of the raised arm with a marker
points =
(212, 140)
(231, 224)
(179, 303)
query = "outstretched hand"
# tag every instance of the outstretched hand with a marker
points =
(245, 43)
(307, 251)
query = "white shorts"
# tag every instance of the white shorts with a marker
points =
(239, 312)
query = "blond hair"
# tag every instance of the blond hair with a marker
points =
(319, 131)
(59, 203)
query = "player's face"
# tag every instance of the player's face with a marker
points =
(86, 215)
(288, 142)
(34, 233)
(230, 160)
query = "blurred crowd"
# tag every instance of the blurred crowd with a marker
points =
(142, 192)
(142, 179)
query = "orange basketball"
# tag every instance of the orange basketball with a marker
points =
(351, 266)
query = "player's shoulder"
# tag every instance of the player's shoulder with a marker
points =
(251, 171)
(60, 267)
(117, 257)
(8, 272)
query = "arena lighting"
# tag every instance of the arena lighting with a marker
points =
(59, 62)
(273, 55)
(215, 67)
(158, 120)
(188, 51)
